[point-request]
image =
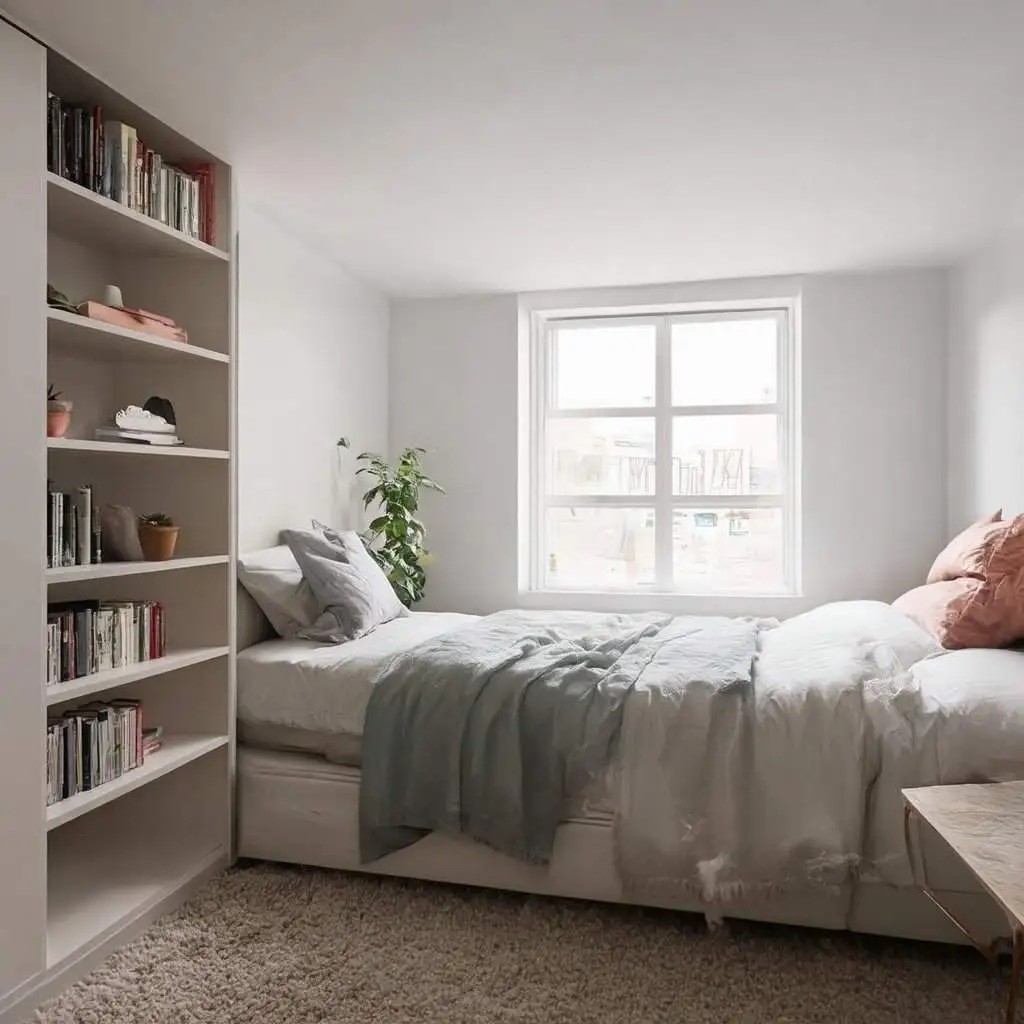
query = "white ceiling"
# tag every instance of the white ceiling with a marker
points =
(446, 146)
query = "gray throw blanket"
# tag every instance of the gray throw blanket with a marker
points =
(487, 731)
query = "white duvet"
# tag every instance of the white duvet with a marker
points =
(798, 785)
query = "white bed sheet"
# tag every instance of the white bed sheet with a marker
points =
(323, 689)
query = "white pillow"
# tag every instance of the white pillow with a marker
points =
(274, 579)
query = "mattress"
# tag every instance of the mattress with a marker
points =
(298, 695)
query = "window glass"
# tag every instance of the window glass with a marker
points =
(725, 455)
(599, 548)
(727, 549)
(601, 456)
(603, 367)
(724, 362)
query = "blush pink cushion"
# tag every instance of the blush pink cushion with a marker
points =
(985, 610)
(968, 553)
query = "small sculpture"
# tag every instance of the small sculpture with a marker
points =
(134, 417)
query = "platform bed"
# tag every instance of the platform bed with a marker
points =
(302, 809)
(298, 790)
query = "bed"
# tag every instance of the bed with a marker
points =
(301, 716)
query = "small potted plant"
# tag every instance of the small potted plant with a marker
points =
(158, 536)
(58, 413)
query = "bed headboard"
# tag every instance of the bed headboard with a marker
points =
(252, 625)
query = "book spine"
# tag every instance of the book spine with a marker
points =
(84, 525)
(126, 149)
(58, 519)
(50, 563)
(97, 538)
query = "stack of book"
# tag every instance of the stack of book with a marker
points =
(123, 435)
(84, 637)
(92, 745)
(152, 740)
(109, 158)
(72, 529)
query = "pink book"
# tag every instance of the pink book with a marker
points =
(134, 319)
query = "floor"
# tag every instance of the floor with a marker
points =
(282, 945)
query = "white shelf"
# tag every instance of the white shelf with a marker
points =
(97, 886)
(74, 444)
(107, 570)
(76, 335)
(77, 213)
(98, 682)
(176, 752)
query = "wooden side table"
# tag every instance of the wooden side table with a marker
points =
(984, 826)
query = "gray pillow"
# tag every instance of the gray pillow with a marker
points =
(351, 590)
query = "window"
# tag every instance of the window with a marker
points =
(662, 452)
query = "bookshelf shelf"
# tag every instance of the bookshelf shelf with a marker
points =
(108, 570)
(78, 335)
(100, 682)
(73, 444)
(83, 216)
(176, 752)
(122, 866)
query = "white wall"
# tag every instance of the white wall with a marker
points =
(873, 434)
(312, 367)
(986, 360)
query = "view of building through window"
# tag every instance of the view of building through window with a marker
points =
(662, 464)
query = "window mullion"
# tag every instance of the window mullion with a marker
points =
(663, 458)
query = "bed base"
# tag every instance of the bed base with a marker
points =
(301, 809)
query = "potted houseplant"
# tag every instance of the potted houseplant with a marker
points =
(158, 536)
(58, 413)
(395, 537)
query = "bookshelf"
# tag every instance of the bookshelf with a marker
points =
(73, 334)
(176, 752)
(112, 679)
(85, 873)
(93, 220)
(147, 451)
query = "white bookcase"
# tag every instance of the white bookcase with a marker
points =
(83, 874)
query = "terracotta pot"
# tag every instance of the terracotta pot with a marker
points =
(158, 542)
(58, 418)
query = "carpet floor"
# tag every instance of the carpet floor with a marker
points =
(280, 945)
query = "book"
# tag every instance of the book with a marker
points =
(107, 156)
(134, 319)
(92, 745)
(83, 525)
(136, 437)
(72, 526)
(88, 636)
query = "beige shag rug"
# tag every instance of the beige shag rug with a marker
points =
(279, 945)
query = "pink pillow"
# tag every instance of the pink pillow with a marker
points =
(968, 553)
(982, 610)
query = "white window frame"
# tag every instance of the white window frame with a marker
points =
(663, 501)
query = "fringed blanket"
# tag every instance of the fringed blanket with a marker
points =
(744, 751)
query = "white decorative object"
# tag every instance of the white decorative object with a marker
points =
(112, 296)
(136, 418)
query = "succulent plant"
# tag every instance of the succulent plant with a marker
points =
(156, 519)
(52, 394)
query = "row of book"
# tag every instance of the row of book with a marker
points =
(108, 157)
(73, 535)
(95, 744)
(85, 637)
